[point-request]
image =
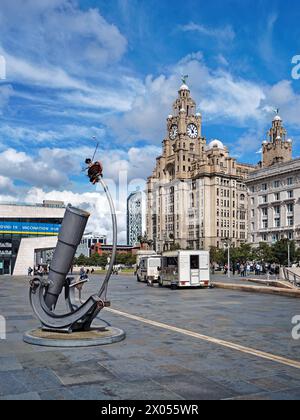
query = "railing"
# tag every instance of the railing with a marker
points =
(291, 277)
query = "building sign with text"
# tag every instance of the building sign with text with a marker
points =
(21, 228)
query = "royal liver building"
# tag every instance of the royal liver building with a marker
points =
(196, 196)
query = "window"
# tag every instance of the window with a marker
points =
(264, 212)
(194, 261)
(264, 199)
(290, 181)
(264, 187)
(290, 208)
(277, 196)
(290, 194)
(276, 184)
(265, 224)
(290, 220)
(277, 223)
(277, 210)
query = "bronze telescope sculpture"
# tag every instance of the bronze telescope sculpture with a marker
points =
(44, 293)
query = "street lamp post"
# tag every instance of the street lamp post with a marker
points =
(227, 242)
(289, 254)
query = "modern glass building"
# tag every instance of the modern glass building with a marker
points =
(27, 231)
(136, 213)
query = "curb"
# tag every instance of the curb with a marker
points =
(258, 289)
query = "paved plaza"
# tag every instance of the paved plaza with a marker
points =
(155, 363)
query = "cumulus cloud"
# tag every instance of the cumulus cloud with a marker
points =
(58, 29)
(281, 95)
(93, 202)
(6, 185)
(219, 94)
(77, 53)
(33, 171)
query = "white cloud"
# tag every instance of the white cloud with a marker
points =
(6, 91)
(6, 185)
(265, 45)
(68, 36)
(31, 170)
(223, 34)
(94, 202)
(221, 98)
(281, 95)
(19, 135)
(75, 53)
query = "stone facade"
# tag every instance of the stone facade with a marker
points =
(196, 196)
(274, 191)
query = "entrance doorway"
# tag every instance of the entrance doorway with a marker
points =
(5, 267)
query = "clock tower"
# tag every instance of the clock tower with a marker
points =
(184, 142)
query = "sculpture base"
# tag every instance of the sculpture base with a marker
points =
(94, 337)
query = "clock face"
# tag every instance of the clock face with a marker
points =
(192, 131)
(173, 132)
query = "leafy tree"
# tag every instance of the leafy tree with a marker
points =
(264, 253)
(280, 250)
(175, 247)
(81, 261)
(217, 256)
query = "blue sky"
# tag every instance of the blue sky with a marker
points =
(111, 69)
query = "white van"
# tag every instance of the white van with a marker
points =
(142, 254)
(185, 269)
(148, 270)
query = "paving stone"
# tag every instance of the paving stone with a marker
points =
(193, 387)
(83, 373)
(30, 396)
(9, 363)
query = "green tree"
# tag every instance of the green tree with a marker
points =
(81, 261)
(242, 254)
(264, 253)
(217, 256)
(280, 250)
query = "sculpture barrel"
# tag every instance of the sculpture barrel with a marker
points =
(70, 235)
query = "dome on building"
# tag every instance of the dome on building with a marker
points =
(289, 140)
(278, 138)
(215, 144)
(184, 87)
(170, 117)
(277, 118)
(198, 114)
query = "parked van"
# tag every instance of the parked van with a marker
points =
(185, 269)
(148, 270)
(142, 254)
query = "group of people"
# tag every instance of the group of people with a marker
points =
(245, 269)
(38, 271)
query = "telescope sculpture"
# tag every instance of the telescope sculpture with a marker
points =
(44, 293)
